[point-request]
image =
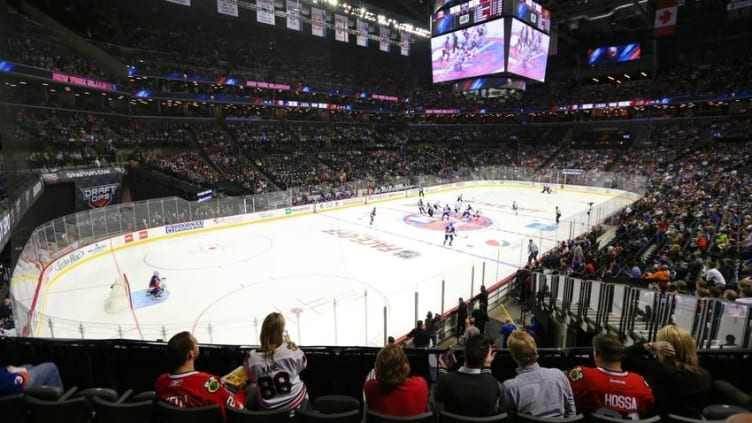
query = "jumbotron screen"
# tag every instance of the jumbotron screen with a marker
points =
(613, 54)
(466, 14)
(533, 13)
(474, 51)
(528, 51)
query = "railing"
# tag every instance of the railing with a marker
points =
(637, 312)
(359, 318)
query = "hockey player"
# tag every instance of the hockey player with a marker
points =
(468, 211)
(155, 285)
(421, 208)
(558, 215)
(447, 210)
(515, 207)
(373, 215)
(477, 214)
(449, 233)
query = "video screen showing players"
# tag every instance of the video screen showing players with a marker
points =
(474, 51)
(528, 51)
(613, 54)
(533, 13)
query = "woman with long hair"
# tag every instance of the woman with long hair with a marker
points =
(275, 367)
(680, 385)
(392, 392)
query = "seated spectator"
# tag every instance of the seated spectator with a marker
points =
(472, 390)
(277, 359)
(392, 392)
(607, 386)
(185, 387)
(680, 385)
(714, 277)
(506, 331)
(745, 295)
(536, 390)
(14, 380)
(662, 274)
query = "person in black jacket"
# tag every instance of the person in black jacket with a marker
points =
(679, 384)
(461, 317)
(420, 335)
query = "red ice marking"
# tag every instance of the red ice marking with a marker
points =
(493, 243)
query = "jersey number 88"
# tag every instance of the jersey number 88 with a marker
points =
(270, 386)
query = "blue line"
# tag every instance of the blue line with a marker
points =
(327, 214)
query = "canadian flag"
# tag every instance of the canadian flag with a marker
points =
(665, 18)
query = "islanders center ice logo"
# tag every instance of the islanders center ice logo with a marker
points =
(437, 224)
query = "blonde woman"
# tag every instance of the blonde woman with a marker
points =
(679, 384)
(392, 392)
(275, 367)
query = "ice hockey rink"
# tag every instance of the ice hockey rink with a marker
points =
(335, 276)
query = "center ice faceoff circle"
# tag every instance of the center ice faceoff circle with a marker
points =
(435, 223)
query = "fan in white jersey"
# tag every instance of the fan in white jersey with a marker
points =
(275, 367)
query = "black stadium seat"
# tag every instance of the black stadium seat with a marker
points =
(374, 417)
(129, 412)
(447, 417)
(526, 418)
(309, 416)
(169, 413)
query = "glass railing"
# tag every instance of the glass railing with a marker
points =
(357, 318)
(638, 312)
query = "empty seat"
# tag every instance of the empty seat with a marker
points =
(335, 404)
(169, 413)
(143, 396)
(722, 411)
(128, 412)
(673, 418)
(76, 410)
(107, 394)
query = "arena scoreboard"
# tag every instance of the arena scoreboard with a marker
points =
(478, 38)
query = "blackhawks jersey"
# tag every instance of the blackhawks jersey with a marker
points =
(278, 380)
(196, 389)
(624, 392)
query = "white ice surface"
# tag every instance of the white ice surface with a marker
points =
(332, 290)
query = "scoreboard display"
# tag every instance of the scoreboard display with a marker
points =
(466, 14)
(479, 38)
(533, 14)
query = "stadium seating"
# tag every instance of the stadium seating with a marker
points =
(169, 413)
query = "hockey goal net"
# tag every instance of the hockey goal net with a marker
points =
(120, 296)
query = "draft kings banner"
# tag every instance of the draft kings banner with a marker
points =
(93, 188)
